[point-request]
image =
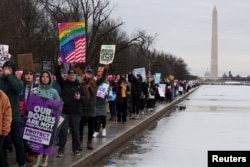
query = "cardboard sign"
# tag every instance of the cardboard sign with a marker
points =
(25, 61)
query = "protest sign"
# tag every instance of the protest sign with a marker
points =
(107, 54)
(72, 42)
(140, 71)
(162, 90)
(25, 61)
(102, 90)
(171, 77)
(40, 123)
(4, 50)
(47, 65)
(157, 78)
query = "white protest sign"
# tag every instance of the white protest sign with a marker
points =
(102, 90)
(140, 71)
(4, 50)
(162, 90)
(157, 78)
(107, 54)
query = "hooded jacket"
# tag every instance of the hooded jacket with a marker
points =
(5, 114)
(46, 90)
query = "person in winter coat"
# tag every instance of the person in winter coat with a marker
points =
(73, 97)
(12, 86)
(1, 71)
(152, 89)
(28, 84)
(44, 89)
(5, 122)
(136, 92)
(101, 114)
(121, 100)
(112, 102)
(143, 97)
(90, 85)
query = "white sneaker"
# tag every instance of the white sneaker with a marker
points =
(104, 133)
(44, 161)
(95, 134)
(137, 116)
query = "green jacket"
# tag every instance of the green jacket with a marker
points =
(12, 87)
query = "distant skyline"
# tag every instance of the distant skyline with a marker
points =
(184, 29)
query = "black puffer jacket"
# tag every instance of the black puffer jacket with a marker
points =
(70, 104)
(136, 85)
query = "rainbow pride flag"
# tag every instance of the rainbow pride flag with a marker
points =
(72, 42)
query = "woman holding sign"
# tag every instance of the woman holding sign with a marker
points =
(91, 85)
(101, 105)
(45, 90)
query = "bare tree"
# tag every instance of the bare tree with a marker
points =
(24, 28)
(27, 28)
(100, 29)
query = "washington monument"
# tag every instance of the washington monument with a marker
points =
(214, 47)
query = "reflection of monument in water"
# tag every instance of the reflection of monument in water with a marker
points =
(214, 47)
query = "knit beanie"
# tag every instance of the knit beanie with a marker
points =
(11, 64)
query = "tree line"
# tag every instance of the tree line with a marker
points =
(29, 26)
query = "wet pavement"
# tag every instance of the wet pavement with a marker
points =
(117, 134)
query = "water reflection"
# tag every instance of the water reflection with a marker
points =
(213, 118)
(132, 152)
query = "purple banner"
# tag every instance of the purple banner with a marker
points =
(40, 123)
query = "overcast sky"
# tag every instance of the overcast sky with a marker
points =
(184, 29)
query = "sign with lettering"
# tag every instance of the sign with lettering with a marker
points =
(102, 90)
(140, 71)
(72, 42)
(40, 123)
(162, 90)
(107, 54)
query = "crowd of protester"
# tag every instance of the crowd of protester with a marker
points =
(127, 97)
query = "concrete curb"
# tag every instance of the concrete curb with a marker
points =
(139, 126)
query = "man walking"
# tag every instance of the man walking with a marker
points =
(73, 98)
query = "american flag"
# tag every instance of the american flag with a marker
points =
(74, 50)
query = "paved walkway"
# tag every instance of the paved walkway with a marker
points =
(116, 135)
